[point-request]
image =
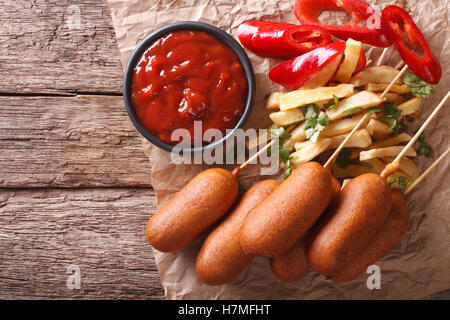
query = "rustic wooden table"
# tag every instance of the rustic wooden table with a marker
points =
(75, 184)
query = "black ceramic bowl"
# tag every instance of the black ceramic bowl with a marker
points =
(188, 25)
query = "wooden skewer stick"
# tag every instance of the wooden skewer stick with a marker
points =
(334, 156)
(393, 166)
(427, 172)
(383, 55)
(236, 171)
(368, 63)
(399, 65)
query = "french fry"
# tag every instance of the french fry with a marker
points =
(406, 165)
(323, 76)
(394, 98)
(355, 153)
(380, 87)
(378, 129)
(306, 151)
(321, 104)
(375, 74)
(390, 142)
(415, 115)
(360, 139)
(299, 98)
(297, 135)
(272, 101)
(385, 152)
(286, 118)
(351, 57)
(410, 107)
(376, 165)
(395, 176)
(363, 100)
(345, 182)
(342, 126)
(352, 171)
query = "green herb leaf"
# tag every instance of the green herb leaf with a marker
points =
(310, 111)
(314, 124)
(401, 181)
(392, 117)
(374, 110)
(425, 149)
(323, 120)
(421, 137)
(336, 99)
(351, 111)
(344, 158)
(279, 133)
(330, 106)
(366, 164)
(419, 88)
(288, 170)
(284, 154)
(312, 134)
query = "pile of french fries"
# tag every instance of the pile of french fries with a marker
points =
(374, 145)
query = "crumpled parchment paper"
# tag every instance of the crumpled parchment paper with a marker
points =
(416, 267)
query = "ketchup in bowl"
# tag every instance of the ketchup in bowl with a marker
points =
(188, 76)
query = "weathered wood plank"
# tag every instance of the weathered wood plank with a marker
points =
(69, 142)
(41, 51)
(102, 231)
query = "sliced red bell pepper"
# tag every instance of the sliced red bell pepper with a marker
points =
(375, 33)
(281, 40)
(295, 73)
(411, 45)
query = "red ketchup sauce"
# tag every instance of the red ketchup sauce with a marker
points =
(188, 76)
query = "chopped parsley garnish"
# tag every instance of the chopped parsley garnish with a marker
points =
(314, 123)
(279, 134)
(402, 182)
(366, 164)
(425, 149)
(284, 154)
(419, 88)
(332, 105)
(344, 158)
(374, 110)
(392, 116)
(351, 111)
(288, 170)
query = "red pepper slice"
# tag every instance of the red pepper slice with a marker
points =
(376, 33)
(281, 40)
(411, 45)
(295, 73)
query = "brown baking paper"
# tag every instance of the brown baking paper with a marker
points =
(415, 268)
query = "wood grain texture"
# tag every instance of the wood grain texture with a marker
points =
(42, 232)
(69, 142)
(40, 51)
